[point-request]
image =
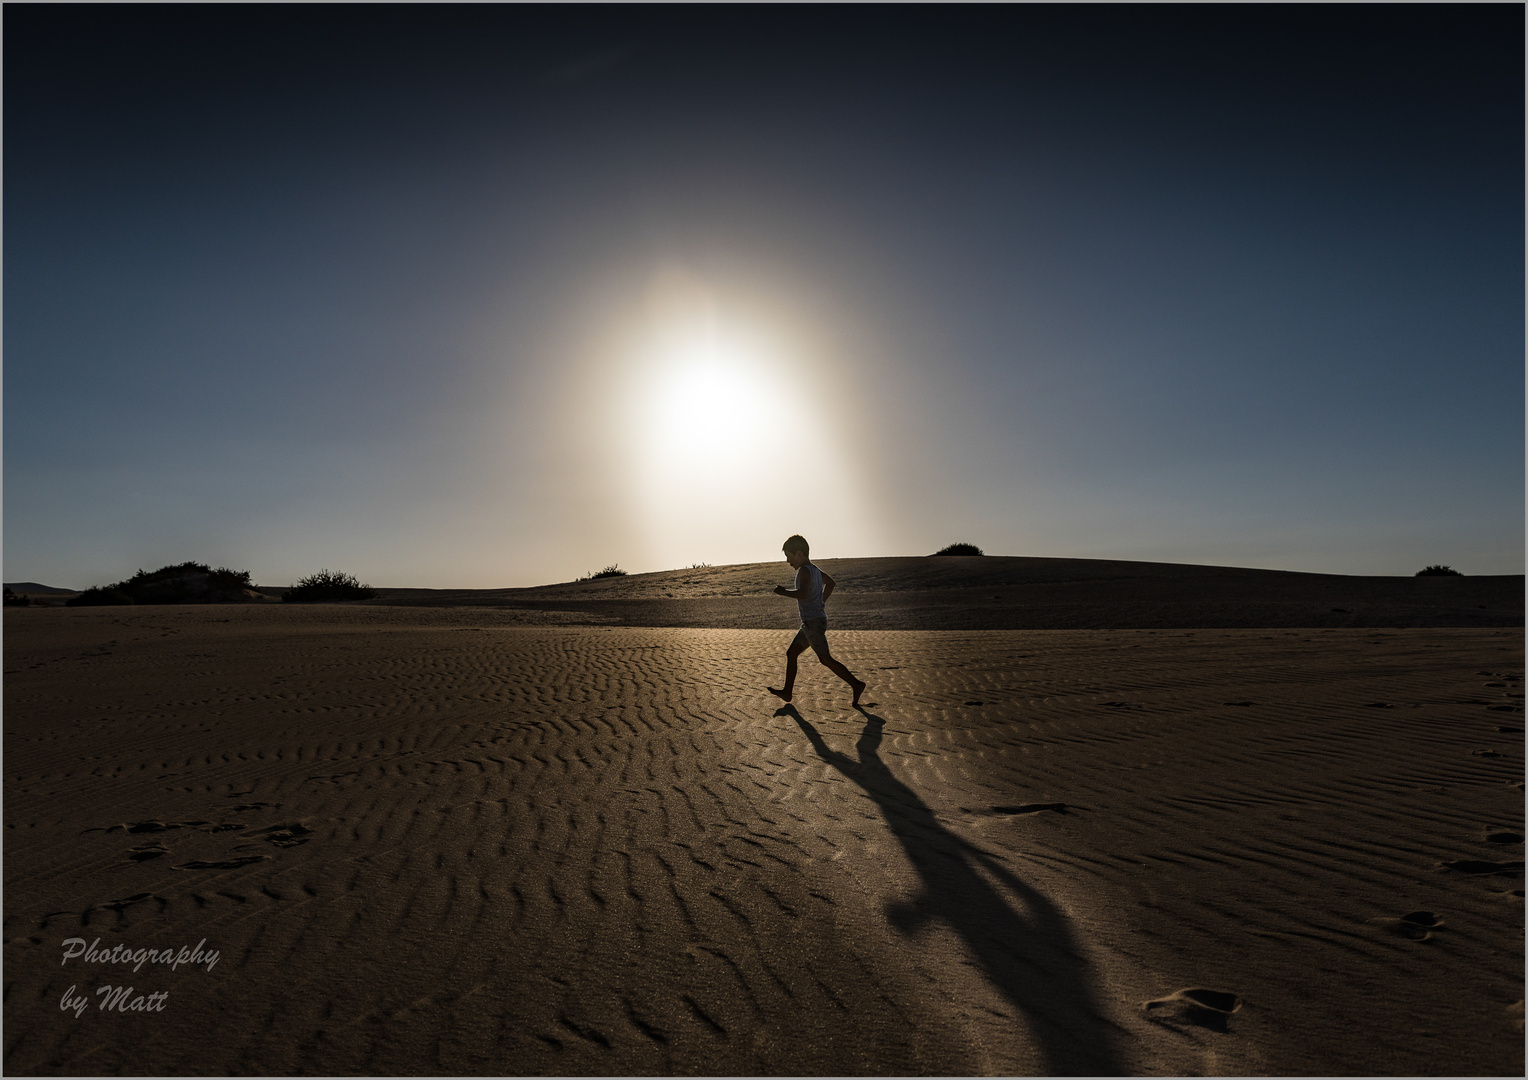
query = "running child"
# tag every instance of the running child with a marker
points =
(811, 592)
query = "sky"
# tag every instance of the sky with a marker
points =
(484, 296)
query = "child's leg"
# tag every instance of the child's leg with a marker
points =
(819, 638)
(790, 669)
(797, 647)
(845, 674)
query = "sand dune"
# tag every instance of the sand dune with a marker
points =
(1008, 593)
(26, 588)
(425, 841)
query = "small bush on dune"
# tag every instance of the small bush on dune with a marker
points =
(327, 585)
(610, 571)
(1438, 570)
(960, 549)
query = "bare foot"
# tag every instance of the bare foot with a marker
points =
(859, 688)
(783, 696)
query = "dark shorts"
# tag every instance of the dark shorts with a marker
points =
(813, 632)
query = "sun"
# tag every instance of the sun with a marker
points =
(713, 402)
(713, 421)
(721, 430)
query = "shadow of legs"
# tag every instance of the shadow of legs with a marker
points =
(1033, 959)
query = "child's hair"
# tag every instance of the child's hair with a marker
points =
(797, 542)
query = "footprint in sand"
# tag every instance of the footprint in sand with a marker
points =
(1484, 866)
(285, 835)
(156, 826)
(1031, 808)
(146, 852)
(167, 826)
(1417, 926)
(223, 864)
(1202, 1008)
(1504, 838)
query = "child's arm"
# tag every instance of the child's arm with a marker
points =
(827, 587)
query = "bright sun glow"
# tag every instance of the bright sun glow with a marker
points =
(713, 405)
(725, 435)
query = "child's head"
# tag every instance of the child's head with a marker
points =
(796, 549)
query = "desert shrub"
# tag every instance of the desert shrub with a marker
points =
(15, 599)
(610, 571)
(99, 596)
(1438, 570)
(327, 585)
(960, 549)
(181, 579)
(189, 582)
(183, 583)
(700, 566)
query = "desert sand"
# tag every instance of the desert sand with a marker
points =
(518, 839)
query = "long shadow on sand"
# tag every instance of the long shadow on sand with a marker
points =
(1032, 958)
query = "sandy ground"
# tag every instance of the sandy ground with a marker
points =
(429, 841)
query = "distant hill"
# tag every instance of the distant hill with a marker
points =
(1013, 593)
(31, 588)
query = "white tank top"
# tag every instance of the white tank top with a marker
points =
(810, 578)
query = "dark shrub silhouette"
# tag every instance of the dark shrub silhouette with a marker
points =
(326, 586)
(15, 599)
(1438, 570)
(610, 571)
(183, 583)
(186, 583)
(960, 549)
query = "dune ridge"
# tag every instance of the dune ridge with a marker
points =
(1013, 593)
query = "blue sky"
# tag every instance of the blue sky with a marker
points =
(489, 296)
